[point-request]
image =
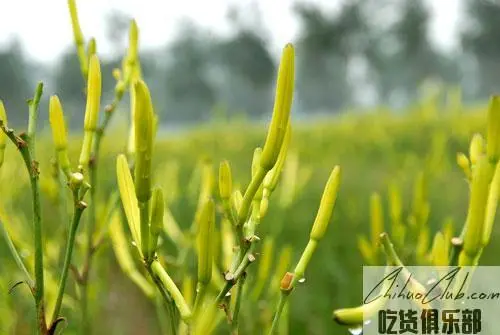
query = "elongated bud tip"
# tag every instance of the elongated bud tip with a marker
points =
(326, 205)
(225, 180)
(282, 108)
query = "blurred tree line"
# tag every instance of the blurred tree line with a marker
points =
(364, 52)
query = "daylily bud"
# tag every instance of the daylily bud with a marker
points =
(225, 180)
(281, 111)
(326, 205)
(129, 199)
(3, 137)
(143, 116)
(56, 118)
(131, 62)
(78, 37)
(491, 207)
(493, 136)
(476, 215)
(157, 211)
(205, 242)
(476, 148)
(91, 109)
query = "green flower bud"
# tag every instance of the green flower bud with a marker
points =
(3, 137)
(225, 181)
(143, 117)
(493, 136)
(281, 111)
(59, 135)
(205, 238)
(326, 205)
(157, 211)
(473, 236)
(78, 37)
(491, 206)
(91, 109)
(128, 197)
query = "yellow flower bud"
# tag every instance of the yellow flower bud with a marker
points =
(129, 199)
(205, 242)
(3, 137)
(157, 211)
(78, 37)
(91, 109)
(493, 136)
(143, 117)
(326, 205)
(476, 148)
(474, 231)
(59, 135)
(491, 207)
(281, 111)
(225, 180)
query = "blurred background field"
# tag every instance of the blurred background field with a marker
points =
(376, 93)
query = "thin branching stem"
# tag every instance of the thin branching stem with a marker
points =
(79, 207)
(17, 257)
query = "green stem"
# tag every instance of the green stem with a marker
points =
(33, 119)
(277, 315)
(77, 214)
(145, 232)
(249, 195)
(237, 305)
(172, 289)
(232, 278)
(17, 257)
(200, 295)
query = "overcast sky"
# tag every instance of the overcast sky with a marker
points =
(43, 26)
